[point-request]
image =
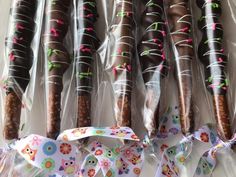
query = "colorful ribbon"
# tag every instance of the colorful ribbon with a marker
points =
(63, 158)
(174, 157)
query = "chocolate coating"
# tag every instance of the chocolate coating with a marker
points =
(57, 58)
(212, 56)
(122, 30)
(20, 54)
(153, 61)
(85, 48)
(179, 17)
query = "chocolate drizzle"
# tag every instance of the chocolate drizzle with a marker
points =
(121, 60)
(179, 18)
(57, 58)
(20, 56)
(153, 60)
(211, 54)
(86, 46)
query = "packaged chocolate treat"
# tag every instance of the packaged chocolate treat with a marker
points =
(153, 61)
(86, 43)
(179, 19)
(211, 53)
(57, 60)
(21, 52)
(119, 62)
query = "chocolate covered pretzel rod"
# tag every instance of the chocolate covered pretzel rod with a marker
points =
(20, 55)
(57, 58)
(87, 43)
(120, 60)
(152, 59)
(179, 18)
(211, 54)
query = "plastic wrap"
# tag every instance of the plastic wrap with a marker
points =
(211, 53)
(85, 44)
(201, 153)
(180, 24)
(152, 56)
(57, 60)
(119, 62)
(21, 44)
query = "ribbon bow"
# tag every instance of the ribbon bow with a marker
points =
(175, 156)
(61, 157)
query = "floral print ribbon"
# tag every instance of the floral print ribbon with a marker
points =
(63, 158)
(174, 156)
(111, 132)
(207, 162)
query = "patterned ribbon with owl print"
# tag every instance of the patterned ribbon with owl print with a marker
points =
(207, 162)
(174, 149)
(57, 158)
(63, 158)
(174, 157)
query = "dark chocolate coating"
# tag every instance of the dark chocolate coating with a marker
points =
(122, 31)
(88, 43)
(212, 56)
(152, 59)
(20, 40)
(18, 44)
(180, 22)
(57, 58)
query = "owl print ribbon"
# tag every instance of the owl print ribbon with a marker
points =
(208, 161)
(63, 158)
(112, 132)
(174, 157)
(175, 149)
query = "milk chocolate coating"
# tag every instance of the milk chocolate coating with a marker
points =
(57, 58)
(211, 54)
(180, 26)
(152, 59)
(20, 56)
(122, 30)
(88, 43)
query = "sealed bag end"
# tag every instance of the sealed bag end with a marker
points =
(151, 113)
